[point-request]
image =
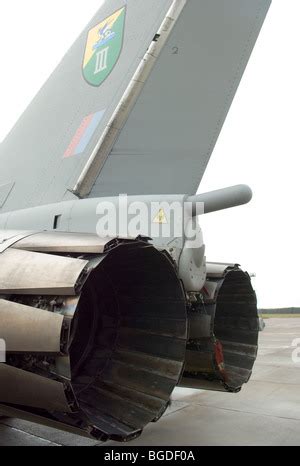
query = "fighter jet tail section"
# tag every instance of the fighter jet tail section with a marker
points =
(98, 341)
(99, 332)
(136, 106)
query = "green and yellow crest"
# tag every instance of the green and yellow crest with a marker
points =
(103, 48)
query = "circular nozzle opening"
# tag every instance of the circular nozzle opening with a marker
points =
(129, 340)
(236, 328)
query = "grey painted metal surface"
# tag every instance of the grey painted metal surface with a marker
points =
(134, 90)
(221, 199)
(168, 139)
(32, 155)
(81, 215)
(5, 190)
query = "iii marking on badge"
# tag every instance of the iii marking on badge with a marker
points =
(103, 48)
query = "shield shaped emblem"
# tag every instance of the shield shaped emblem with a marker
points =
(103, 48)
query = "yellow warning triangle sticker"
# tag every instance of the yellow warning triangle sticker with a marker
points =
(160, 218)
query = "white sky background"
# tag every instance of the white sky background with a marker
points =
(259, 144)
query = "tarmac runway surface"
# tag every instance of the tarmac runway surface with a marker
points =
(266, 412)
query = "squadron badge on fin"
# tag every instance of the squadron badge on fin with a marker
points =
(103, 48)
